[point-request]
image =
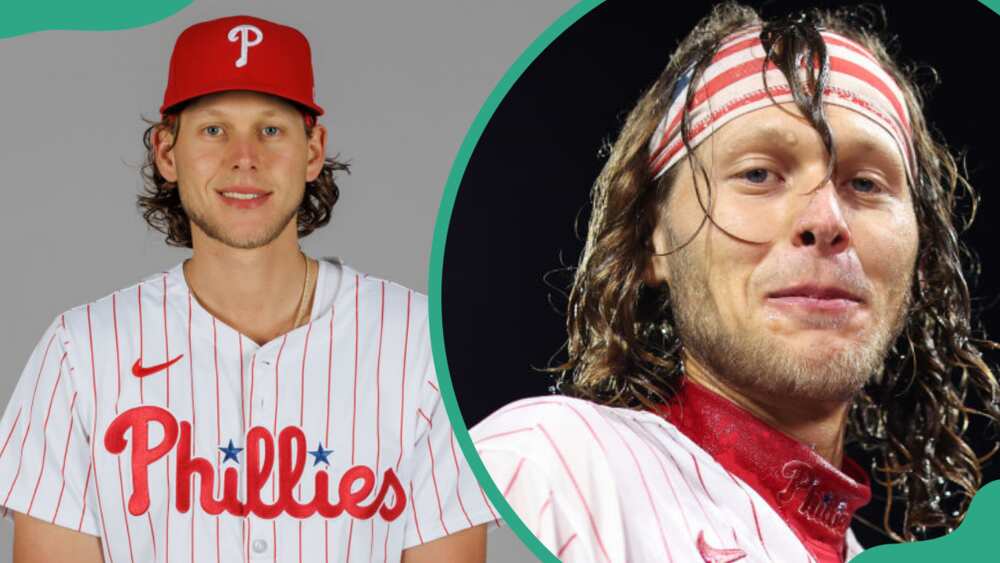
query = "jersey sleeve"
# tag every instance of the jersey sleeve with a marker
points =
(444, 494)
(541, 456)
(45, 461)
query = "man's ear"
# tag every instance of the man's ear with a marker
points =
(163, 144)
(657, 269)
(316, 152)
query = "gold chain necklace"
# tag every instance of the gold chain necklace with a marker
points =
(301, 314)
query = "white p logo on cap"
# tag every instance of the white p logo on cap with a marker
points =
(242, 34)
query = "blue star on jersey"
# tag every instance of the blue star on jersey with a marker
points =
(231, 452)
(320, 454)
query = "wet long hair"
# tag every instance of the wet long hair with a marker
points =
(623, 349)
(160, 200)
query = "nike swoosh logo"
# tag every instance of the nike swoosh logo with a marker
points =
(710, 554)
(139, 371)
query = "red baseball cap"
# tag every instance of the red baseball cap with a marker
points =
(241, 53)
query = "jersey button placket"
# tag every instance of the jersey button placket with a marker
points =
(259, 548)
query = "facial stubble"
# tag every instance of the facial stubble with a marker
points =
(218, 232)
(761, 361)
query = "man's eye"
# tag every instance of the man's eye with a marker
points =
(271, 131)
(756, 176)
(864, 185)
(213, 130)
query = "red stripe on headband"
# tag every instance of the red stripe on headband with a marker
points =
(847, 44)
(712, 87)
(857, 71)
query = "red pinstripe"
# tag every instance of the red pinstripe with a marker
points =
(128, 532)
(385, 546)
(378, 389)
(86, 487)
(645, 486)
(511, 408)
(253, 378)
(329, 376)
(11, 433)
(416, 521)
(502, 434)
(350, 540)
(194, 418)
(218, 432)
(118, 396)
(357, 314)
(545, 505)
(31, 409)
(753, 509)
(62, 470)
(152, 532)
(576, 487)
(93, 443)
(402, 385)
(488, 506)
(274, 494)
(697, 469)
(118, 356)
(437, 494)
(513, 478)
(142, 349)
(565, 545)
(690, 489)
(666, 476)
(434, 387)
(458, 479)
(166, 339)
(425, 417)
(166, 467)
(302, 412)
(354, 414)
(45, 426)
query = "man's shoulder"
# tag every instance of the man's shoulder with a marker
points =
(352, 279)
(570, 426)
(121, 302)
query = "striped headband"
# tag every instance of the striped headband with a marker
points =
(733, 85)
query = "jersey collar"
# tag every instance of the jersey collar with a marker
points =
(816, 499)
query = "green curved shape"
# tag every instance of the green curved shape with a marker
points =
(971, 538)
(991, 4)
(437, 265)
(974, 538)
(19, 17)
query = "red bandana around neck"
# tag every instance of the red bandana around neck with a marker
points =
(816, 499)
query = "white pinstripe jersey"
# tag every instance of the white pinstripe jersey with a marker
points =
(603, 484)
(329, 443)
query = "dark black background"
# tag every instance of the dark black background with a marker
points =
(521, 210)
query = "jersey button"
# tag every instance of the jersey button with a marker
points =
(259, 546)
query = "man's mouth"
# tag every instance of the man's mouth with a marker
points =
(241, 195)
(244, 197)
(816, 299)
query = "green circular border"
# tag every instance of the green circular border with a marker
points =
(437, 265)
(988, 503)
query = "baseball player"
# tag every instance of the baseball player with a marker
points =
(771, 268)
(251, 403)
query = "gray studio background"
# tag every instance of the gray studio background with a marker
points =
(401, 83)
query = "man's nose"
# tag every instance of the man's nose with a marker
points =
(821, 222)
(244, 152)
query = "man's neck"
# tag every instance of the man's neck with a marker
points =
(256, 291)
(819, 424)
